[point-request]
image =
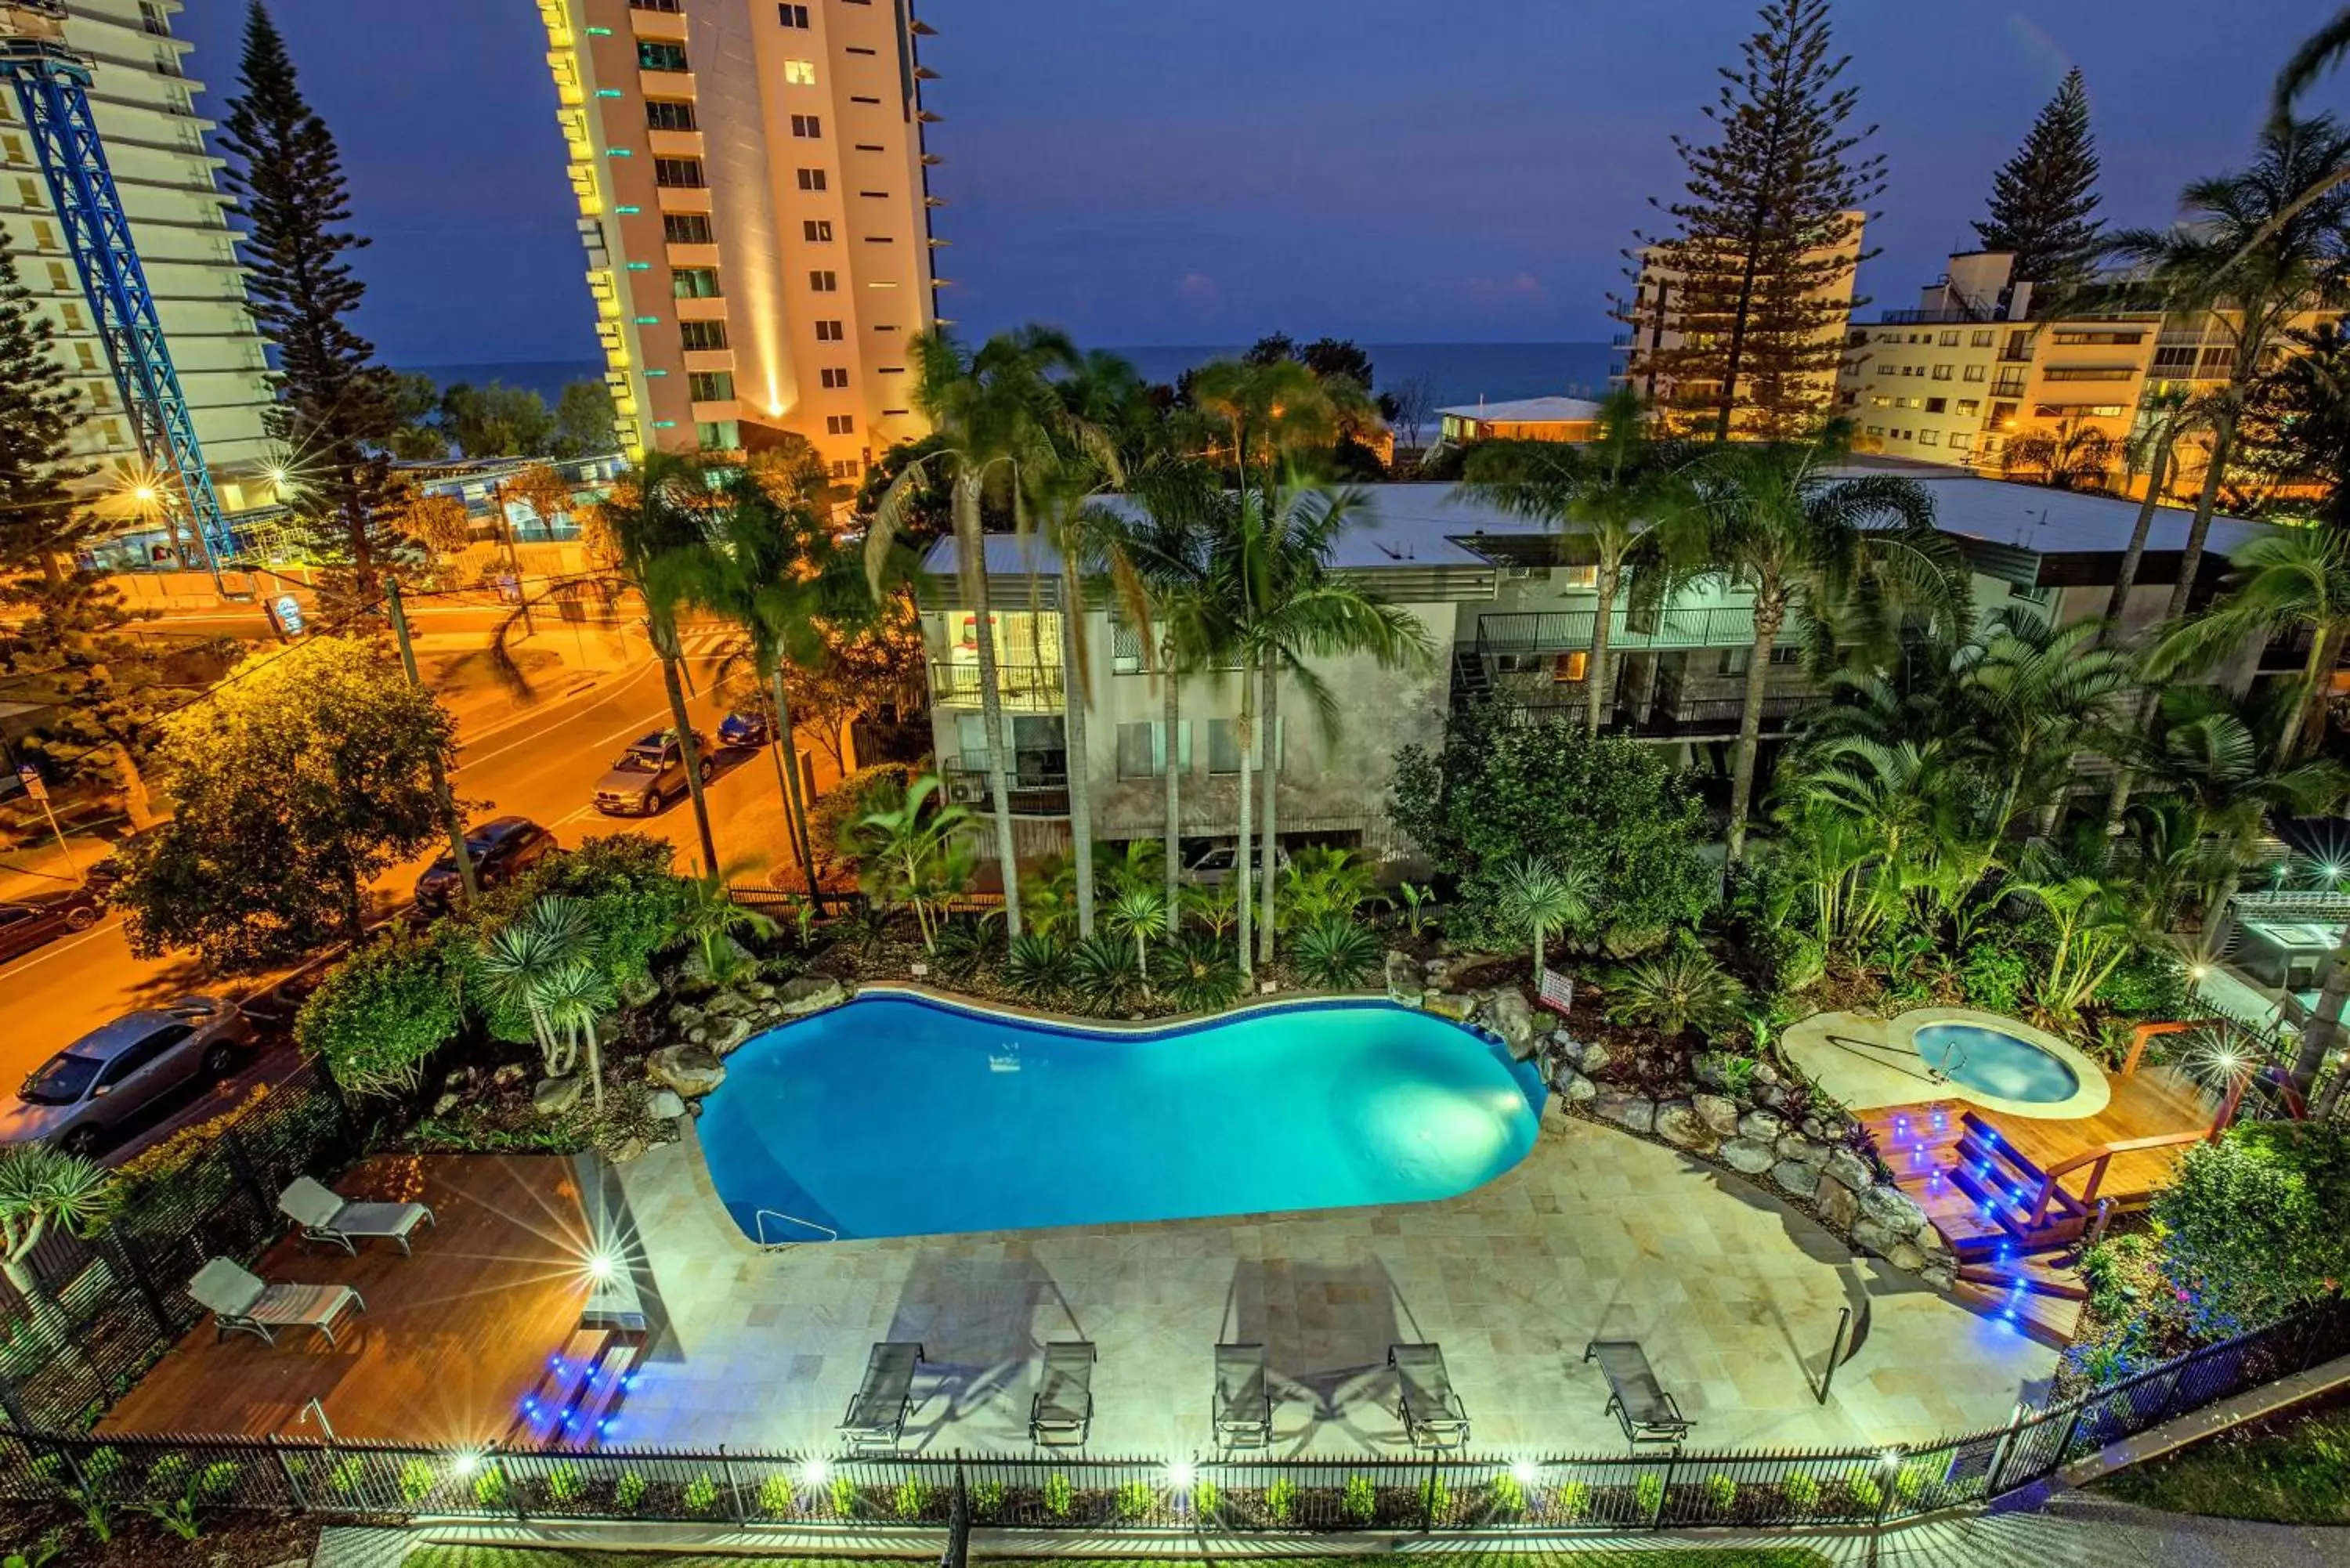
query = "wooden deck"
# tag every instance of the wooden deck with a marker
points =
(453, 1339)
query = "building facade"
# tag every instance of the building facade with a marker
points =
(143, 102)
(754, 206)
(1523, 419)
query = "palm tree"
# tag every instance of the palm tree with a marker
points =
(905, 852)
(571, 998)
(41, 1187)
(1141, 912)
(1776, 521)
(2069, 455)
(2034, 697)
(2167, 413)
(1613, 493)
(1270, 412)
(1538, 896)
(518, 962)
(2293, 581)
(993, 412)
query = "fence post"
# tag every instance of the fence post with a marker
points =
(134, 1265)
(2320, 1320)
(242, 1164)
(726, 1469)
(2071, 1430)
(1664, 1493)
(12, 1404)
(293, 1476)
(513, 1488)
(1428, 1499)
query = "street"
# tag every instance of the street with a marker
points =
(538, 761)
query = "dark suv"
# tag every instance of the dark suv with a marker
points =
(649, 774)
(502, 848)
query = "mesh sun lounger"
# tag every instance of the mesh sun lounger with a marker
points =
(1243, 1407)
(877, 1416)
(325, 1216)
(1635, 1397)
(1063, 1411)
(242, 1304)
(1432, 1413)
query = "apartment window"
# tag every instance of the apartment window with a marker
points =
(87, 356)
(1941, 372)
(1880, 402)
(828, 332)
(2089, 373)
(844, 468)
(816, 231)
(800, 73)
(1224, 746)
(1142, 749)
(60, 280)
(875, 195)
(1950, 339)
(792, 15)
(672, 7)
(2101, 340)
(1962, 440)
(808, 124)
(687, 228)
(870, 147)
(702, 334)
(710, 385)
(1913, 369)
(1888, 369)
(151, 17)
(1974, 373)
(718, 435)
(1888, 337)
(854, 50)
(822, 282)
(113, 431)
(1570, 669)
(2079, 411)
(669, 114)
(834, 377)
(811, 178)
(1877, 430)
(2174, 361)
(1928, 437)
(1904, 402)
(840, 424)
(655, 55)
(694, 283)
(677, 173)
(1936, 405)
(855, 98)
(1981, 340)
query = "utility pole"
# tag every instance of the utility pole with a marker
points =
(441, 794)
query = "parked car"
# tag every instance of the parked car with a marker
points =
(502, 848)
(745, 731)
(108, 1081)
(1215, 863)
(101, 878)
(648, 775)
(28, 923)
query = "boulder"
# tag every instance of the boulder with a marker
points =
(1893, 1208)
(1905, 1256)
(1677, 1123)
(1942, 1276)
(1573, 1086)
(1762, 1126)
(685, 1016)
(1835, 1202)
(809, 993)
(1748, 1156)
(731, 1032)
(1637, 1112)
(692, 1071)
(1507, 1015)
(1596, 1056)
(1718, 1111)
(1802, 1151)
(1405, 980)
(758, 990)
(447, 1103)
(556, 1096)
(1565, 1047)
(1847, 1166)
(1766, 1076)
(1872, 1237)
(512, 1072)
(726, 1004)
(664, 1104)
(1445, 1004)
(626, 1150)
(1797, 1177)
(1437, 973)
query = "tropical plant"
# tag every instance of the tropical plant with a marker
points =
(381, 1012)
(910, 854)
(2095, 919)
(1333, 954)
(1359, 1501)
(629, 1491)
(1195, 971)
(1036, 965)
(1140, 912)
(2293, 581)
(1675, 992)
(2165, 413)
(2250, 1226)
(1102, 975)
(1060, 1496)
(41, 1187)
(2071, 454)
(965, 942)
(1536, 898)
(1215, 905)
(1135, 1501)
(572, 998)
(515, 967)
(709, 920)
(701, 1495)
(1419, 907)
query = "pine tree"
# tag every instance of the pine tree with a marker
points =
(40, 521)
(2044, 201)
(1758, 272)
(335, 410)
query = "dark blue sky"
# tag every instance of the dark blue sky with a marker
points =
(1202, 171)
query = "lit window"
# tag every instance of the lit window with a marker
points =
(816, 231)
(1568, 669)
(711, 386)
(800, 73)
(702, 334)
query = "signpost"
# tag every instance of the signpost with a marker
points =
(38, 788)
(286, 612)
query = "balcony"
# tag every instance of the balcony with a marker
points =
(1563, 631)
(1021, 688)
(1033, 792)
(1708, 718)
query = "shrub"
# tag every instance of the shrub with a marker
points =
(1865, 1494)
(2151, 984)
(1035, 966)
(1648, 1492)
(1436, 1498)
(564, 1484)
(380, 1012)
(2250, 1226)
(1060, 1496)
(1321, 882)
(1333, 954)
(987, 1499)
(1507, 1497)
(1280, 1500)
(1910, 1481)
(1102, 975)
(965, 942)
(628, 1493)
(1207, 1497)
(1572, 1502)
(490, 1487)
(875, 788)
(1360, 1501)
(843, 1494)
(1196, 973)
(912, 1497)
(700, 1494)
(416, 1481)
(1681, 989)
(1802, 1491)
(344, 1479)
(775, 1496)
(1995, 978)
(1720, 1492)
(1136, 1502)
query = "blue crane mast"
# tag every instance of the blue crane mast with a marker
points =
(52, 83)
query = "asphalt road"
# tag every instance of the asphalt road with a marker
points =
(539, 762)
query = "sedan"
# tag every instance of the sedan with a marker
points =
(648, 775)
(29, 923)
(114, 1078)
(501, 849)
(745, 731)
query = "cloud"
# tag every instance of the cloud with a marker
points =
(1517, 291)
(1198, 290)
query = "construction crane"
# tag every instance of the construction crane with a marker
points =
(52, 84)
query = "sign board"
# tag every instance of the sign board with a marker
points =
(509, 588)
(286, 612)
(36, 788)
(1557, 989)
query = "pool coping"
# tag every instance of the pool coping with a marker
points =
(2092, 1091)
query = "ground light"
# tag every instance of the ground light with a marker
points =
(1180, 1475)
(1525, 1473)
(814, 1472)
(601, 1267)
(467, 1463)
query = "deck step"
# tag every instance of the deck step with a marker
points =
(2045, 1320)
(2037, 1276)
(539, 1421)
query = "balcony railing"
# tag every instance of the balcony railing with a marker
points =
(1705, 718)
(1021, 688)
(1563, 631)
(1033, 791)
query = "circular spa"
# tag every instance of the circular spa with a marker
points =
(900, 1116)
(1947, 1052)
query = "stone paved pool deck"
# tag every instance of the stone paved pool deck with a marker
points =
(1734, 1295)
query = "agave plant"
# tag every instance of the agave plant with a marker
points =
(1676, 990)
(40, 1188)
(1333, 954)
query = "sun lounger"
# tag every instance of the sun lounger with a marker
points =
(1063, 1411)
(1432, 1413)
(877, 1416)
(326, 1215)
(240, 1303)
(1243, 1407)
(1635, 1397)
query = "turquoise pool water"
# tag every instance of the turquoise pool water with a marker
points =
(892, 1116)
(1996, 1063)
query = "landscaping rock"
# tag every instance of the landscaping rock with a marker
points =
(758, 990)
(447, 1103)
(629, 1149)
(809, 993)
(1718, 1113)
(692, 1070)
(1835, 1203)
(1942, 1276)
(1677, 1123)
(1766, 1076)
(1507, 1015)
(1762, 1126)
(1905, 1256)
(1802, 1151)
(1405, 980)
(1565, 1047)
(1637, 1112)
(1445, 1004)
(512, 1072)
(731, 1032)
(1849, 1169)
(1748, 1156)
(1893, 1208)
(1596, 1056)
(1573, 1086)
(664, 1106)
(726, 1002)
(1437, 973)
(685, 1016)
(1872, 1237)
(556, 1096)
(1797, 1177)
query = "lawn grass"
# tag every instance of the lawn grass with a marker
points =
(2294, 1470)
(521, 1557)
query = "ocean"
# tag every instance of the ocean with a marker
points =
(1457, 373)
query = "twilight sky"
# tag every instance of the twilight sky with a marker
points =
(1162, 171)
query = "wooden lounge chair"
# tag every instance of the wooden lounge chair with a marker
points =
(1244, 1406)
(1062, 1414)
(1432, 1413)
(1635, 1397)
(326, 1216)
(240, 1303)
(877, 1416)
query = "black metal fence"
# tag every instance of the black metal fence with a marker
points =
(116, 1302)
(1782, 1489)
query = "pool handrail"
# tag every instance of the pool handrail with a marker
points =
(759, 1223)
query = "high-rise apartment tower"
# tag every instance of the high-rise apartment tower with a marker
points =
(754, 201)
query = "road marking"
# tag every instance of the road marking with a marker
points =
(55, 950)
(467, 759)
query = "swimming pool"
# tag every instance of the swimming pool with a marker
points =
(899, 1117)
(1996, 1063)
